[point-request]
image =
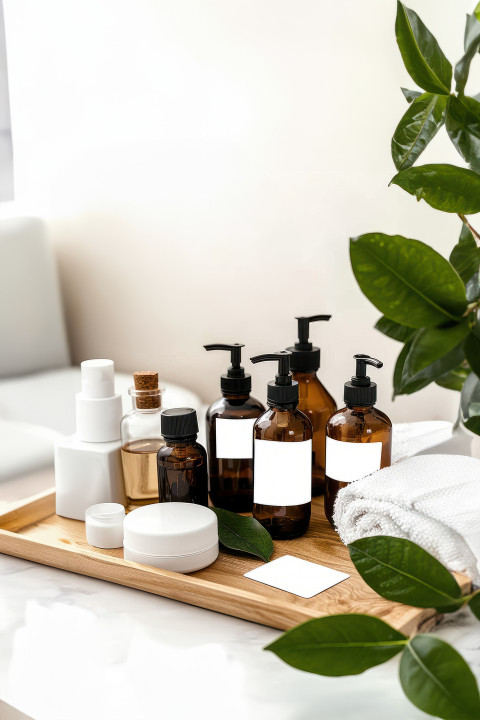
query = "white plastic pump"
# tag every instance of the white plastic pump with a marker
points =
(98, 409)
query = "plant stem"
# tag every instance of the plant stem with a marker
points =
(472, 229)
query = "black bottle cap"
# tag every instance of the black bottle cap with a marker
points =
(283, 390)
(361, 390)
(179, 423)
(236, 380)
(305, 356)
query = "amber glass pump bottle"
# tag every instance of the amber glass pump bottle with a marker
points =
(282, 489)
(230, 421)
(314, 399)
(359, 437)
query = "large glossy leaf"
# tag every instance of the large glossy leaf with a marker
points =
(472, 350)
(394, 330)
(465, 256)
(473, 424)
(244, 534)
(471, 45)
(474, 604)
(338, 644)
(454, 379)
(433, 352)
(436, 679)
(444, 187)
(410, 95)
(463, 127)
(398, 371)
(417, 127)
(421, 53)
(400, 570)
(407, 280)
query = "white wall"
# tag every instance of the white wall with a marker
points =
(202, 164)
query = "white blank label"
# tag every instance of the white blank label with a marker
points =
(282, 473)
(234, 438)
(297, 576)
(348, 461)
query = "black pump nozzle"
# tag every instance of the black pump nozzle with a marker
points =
(235, 381)
(361, 390)
(284, 390)
(305, 356)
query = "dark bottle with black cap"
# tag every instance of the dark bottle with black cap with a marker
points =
(359, 437)
(282, 490)
(230, 422)
(314, 399)
(182, 462)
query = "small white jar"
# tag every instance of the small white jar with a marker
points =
(104, 525)
(182, 537)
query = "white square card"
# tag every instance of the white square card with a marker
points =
(297, 576)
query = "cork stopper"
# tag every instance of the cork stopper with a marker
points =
(148, 394)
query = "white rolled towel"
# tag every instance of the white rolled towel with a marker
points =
(432, 500)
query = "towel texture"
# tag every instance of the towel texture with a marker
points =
(433, 500)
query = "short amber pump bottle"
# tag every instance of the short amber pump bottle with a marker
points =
(358, 437)
(314, 399)
(230, 421)
(282, 489)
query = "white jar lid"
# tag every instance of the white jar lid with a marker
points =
(104, 525)
(170, 529)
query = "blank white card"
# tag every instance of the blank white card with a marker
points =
(297, 576)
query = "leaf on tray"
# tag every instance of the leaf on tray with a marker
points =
(244, 534)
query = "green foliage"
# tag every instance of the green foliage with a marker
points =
(244, 534)
(430, 304)
(474, 604)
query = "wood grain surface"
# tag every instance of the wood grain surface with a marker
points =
(31, 530)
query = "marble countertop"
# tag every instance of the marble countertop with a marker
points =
(75, 648)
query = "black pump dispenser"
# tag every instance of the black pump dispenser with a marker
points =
(283, 390)
(361, 390)
(236, 380)
(305, 356)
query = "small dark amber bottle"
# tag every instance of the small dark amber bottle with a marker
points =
(282, 457)
(182, 462)
(230, 421)
(314, 399)
(358, 437)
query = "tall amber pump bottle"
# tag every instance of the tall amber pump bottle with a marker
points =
(314, 399)
(359, 437)
(230, 421)
(282, 488)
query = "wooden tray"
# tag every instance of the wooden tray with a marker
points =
(33, 531)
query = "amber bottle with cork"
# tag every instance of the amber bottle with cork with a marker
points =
(358, 437)
(314, 399)
(141, 439)
(230, 421)
(282, 489)
(182, 462)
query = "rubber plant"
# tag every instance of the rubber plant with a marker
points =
(428, 303)
(433, 675)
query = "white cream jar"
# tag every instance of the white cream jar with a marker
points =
(182, 537)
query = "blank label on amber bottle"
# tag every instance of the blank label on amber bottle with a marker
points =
(349, 461)
(282, 473)
(234, 438)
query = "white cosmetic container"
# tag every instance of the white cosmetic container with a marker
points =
(88, 466)
(182, 537)
(104, 525)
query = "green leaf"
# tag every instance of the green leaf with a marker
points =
(244, 534)
(417, 127)
(400, 570)
(463, 127)
(436, 679)
(407, 280)
(454, 379)
(473, 424)
(433, 352)
(338, 644)
(465, 256)
(477, 11)
(394, 330)
(471, 44)
(421, 53)
(444, 187)
(472, 288)
(474, 604)
(398, 371)
(410, 95)
(472, 350)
